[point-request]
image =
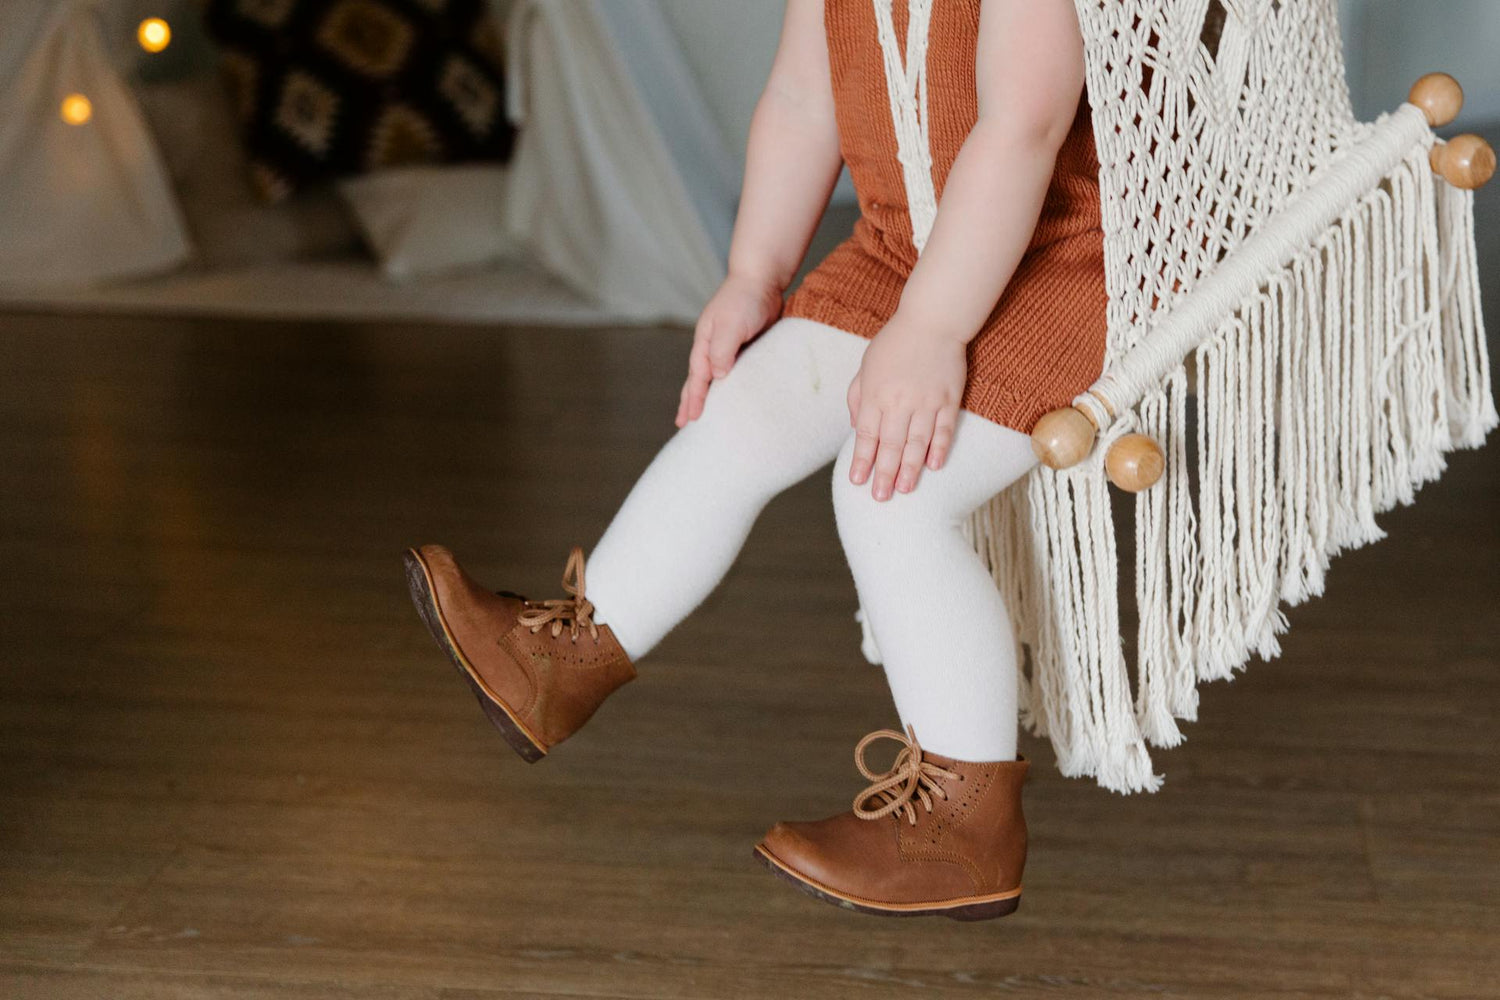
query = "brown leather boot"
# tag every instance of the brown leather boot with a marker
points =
(538, 668)
(933, 835)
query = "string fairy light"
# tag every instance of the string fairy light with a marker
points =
(154, 34)
(77, 109)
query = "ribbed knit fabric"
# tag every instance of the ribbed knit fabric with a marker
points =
(1044, 341)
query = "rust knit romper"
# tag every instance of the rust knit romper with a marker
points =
(1043, 343)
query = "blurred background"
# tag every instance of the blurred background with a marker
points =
(287, 286)
(589, 170)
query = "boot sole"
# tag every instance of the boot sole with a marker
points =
(969, 908)
(424, 596)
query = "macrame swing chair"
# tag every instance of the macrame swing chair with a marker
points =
(1293, 294)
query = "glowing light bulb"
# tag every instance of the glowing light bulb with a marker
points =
(77, 109)
(154, 34)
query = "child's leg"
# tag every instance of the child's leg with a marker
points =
(941, 625)
(778, 416)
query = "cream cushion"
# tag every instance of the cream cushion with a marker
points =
(433, 219)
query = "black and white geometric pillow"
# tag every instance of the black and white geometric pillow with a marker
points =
(328, 88)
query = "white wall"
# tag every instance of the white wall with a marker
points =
(1388, 44)
(730, 45)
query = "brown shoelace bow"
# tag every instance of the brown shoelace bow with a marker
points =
(909, 776)
(575, 612)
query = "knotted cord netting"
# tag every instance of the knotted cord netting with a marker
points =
(1294, 317)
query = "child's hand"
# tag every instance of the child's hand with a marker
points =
(739, 310)
(903, 404)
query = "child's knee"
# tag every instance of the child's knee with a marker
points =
(743, 412)
(856, 511)
(760, 425)
(934, 503)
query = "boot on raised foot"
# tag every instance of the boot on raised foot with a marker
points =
(933, 835)
(539, 668)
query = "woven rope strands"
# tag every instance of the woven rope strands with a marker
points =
(1294, 316)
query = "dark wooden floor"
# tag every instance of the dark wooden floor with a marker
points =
(233, 765)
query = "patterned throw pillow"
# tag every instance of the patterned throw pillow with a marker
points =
(328, 88)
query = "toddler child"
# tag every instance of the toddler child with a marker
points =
(917, 356)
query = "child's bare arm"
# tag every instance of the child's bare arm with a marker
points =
(791, 166)
(793, 160)
(904, 402)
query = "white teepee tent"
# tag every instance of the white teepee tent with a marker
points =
(622, 182)
(80, 200)
(1316, 284)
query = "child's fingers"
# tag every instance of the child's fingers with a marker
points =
(866, 443)
(852, 398)
(685, 403)
(682, 404)
(894, 425)
(723, 345)
(696, 398)
(918, 436)
(699, 375)
(682, 399)
(942, 437)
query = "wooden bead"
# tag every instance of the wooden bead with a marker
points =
(1134, 462)
(1465, 161)
(1063, 438)
(1439, 96)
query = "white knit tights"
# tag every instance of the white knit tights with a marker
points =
(778, 416)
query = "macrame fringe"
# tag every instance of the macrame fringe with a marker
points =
(1329, 396)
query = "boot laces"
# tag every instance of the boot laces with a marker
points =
(910, 776)
(574, 612)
